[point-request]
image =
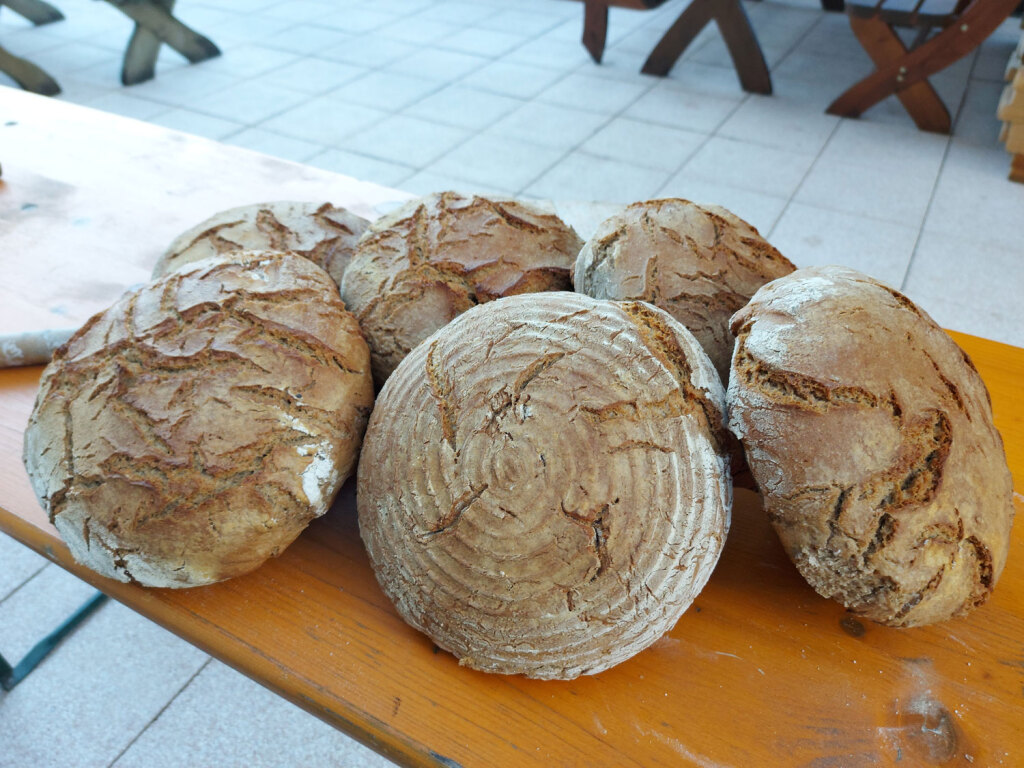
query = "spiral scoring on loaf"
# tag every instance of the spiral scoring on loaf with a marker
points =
(539, 493)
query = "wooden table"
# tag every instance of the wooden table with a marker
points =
(759, 672)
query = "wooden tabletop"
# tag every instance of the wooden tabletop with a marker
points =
(759, 672)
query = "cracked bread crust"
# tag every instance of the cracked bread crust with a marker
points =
(419, 267)
(542, 489)
(700, 263)
(325, 234)
(870, 433)
(193, 430)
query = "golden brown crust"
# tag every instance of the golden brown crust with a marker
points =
(325, 234)
(418, 268)
(193, 429)
(871, 437)
(698, 263)
(541, 490)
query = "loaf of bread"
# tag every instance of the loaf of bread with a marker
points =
(870, 435)
(700, 263)
(193, 430)
(417, 268)
(543, 487)
(324, 233)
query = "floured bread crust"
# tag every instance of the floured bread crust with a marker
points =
(419, 267)
(193, 430)
(870, 434)
(700, 263)
(543, 489)
(325, 234)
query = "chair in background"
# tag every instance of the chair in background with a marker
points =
(22, 71)
(154, 25)
(728, 14)
(962, 26)
(732, 21)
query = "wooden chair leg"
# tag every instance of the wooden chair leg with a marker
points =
(595, 28)
(744, 48)
(736, 31)
(691, 21)
(36, 11)
(884, 47)
(27, 75)
(155, 25)
(1017, 168)
(141, 54)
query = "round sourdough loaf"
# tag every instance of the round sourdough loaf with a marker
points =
(700, 263)
(543, 488)
(417, 268)
(193, 429)
(323, 233)
(870, 434)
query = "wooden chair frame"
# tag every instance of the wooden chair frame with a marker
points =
(905, 72)
(22, 71)
(154, 25)
(732, 21)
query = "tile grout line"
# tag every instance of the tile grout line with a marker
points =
(155, 717)
(609, 117)
(928, 208)
(534, 99)
(824, 144)
(621, 114)
(935, 184)
(707, 139)
(796, 189)
(15, 591)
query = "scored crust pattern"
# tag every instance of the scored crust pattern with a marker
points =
(542, 489)
(870, 434)
(193, 429)
(419, 267)
(698, 263)
(324, 233)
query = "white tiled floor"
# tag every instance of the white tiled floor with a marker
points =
(492, 96)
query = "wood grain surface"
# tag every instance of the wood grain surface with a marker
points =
(760, 671)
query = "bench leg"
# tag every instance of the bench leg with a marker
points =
(36, 11)
(11, 676)
(595, 28)
(884, 47)
(27, 75)
(736, 31)
(154, 25)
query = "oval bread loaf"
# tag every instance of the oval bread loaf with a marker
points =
(418, 267)
(870, 434)
(194, 429)
(543, 489)
(325, 234)
(700, 263)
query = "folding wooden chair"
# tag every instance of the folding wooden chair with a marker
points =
(22, 71)
(728, 14)
(732, 21)
(154, 25)
(963, 25)
(36, 11)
